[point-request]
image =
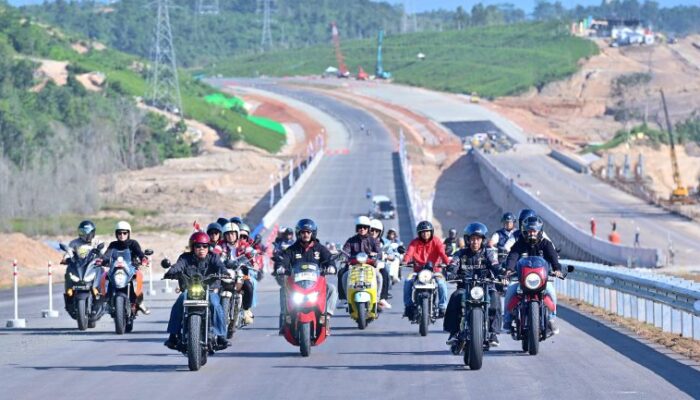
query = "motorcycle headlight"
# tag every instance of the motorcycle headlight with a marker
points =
(89, 277)
(533, 281)
(73, 277)
(120, 278)
(298, 298)
(477, 293)
(425, 276)
(196, 292)
(312, 297)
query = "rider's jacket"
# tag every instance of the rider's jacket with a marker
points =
(468, 262)
(501, 238)
(130, 244)
(313, 252)
(366, 244)
(543, 248)
(76, 243)
(255, 260)
(189, 264)
(451, 246)
(422, 252)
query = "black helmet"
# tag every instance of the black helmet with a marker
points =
(524, 213)
(424, 226)
(222, 221)
(508, 217)
(475, 228)
(452, 233)
(86, 230)
(214, 227)
(288, 230)
(236, 220)
(533, 223)
(306, 224)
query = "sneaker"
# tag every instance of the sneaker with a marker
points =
(248, 317)
(452, 340)
(222, 342)
(441, 313)
(328, 324)
(389, 296)
(171, 343)
(553, 326)
(144, 309)
(384, 304)
(493, 340)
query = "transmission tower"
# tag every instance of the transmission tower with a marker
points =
(208, 7)
(266, 39)
(164, 88)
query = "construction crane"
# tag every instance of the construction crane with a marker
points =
(680, 192)
(342, 68)
(379, 71)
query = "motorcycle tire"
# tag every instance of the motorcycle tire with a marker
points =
(120, 303)
(305, 339)
(362, 316)
(424, 317)
(533, 333)
(82, 315)
(226, 305)
(92, 324)
(194, 347)
(475, 356)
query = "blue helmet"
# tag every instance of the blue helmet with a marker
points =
(214, 226)
(475, 228)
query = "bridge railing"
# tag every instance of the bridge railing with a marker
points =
(669, 303)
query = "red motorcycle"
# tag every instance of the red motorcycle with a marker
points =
(305, 320)
(532, 306)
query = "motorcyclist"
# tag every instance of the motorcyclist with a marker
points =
(376, 229)
(522, 216)
(285, 239)
(230, 251)
(214, 231)
(122, 231)
(199, 260)
(222, 221)
(360, 242)
(255, 258)
(392, 236)
(500, 237)
(82, 245)
(307, 248)
(423, 249)
(474, 259)
(533, 243)
(451, 244)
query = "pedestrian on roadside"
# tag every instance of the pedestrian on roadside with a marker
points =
(614, 225)
(593, 226)
(614, 237)
(636, 238)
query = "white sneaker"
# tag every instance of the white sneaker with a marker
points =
(248, 317)
(553, 326)
(384, 304)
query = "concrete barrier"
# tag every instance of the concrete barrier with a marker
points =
(574, 242)
(570, 161)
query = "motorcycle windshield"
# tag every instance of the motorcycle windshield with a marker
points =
(120, 258)
(532, 262)
(306, 274)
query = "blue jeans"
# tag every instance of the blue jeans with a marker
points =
(510, 292)
(217, 313)
(253, 274)
(442, 293)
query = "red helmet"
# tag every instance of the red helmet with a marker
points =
(198, 238)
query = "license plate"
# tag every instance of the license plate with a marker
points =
(305, 276)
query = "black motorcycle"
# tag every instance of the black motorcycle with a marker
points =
(196, 339)
(472, 339)
(82, 297)
(425, 298)
(231, 295)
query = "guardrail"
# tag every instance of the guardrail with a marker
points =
(574, 242)
(669, 303)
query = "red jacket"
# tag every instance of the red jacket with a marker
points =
(256, 260)
(423, 252)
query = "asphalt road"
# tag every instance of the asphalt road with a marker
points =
(389, 360)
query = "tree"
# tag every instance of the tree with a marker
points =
(461, 18)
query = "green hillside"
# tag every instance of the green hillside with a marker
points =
(493, 61)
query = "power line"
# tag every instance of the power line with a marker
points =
(266, 39)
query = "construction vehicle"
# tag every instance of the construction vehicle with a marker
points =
(680, 192)
(361, 74)
(343, 71)
(379, 70)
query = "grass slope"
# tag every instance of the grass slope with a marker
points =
(493, 61)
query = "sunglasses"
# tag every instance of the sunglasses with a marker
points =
(374, 230)
(213, 233)
(362, 227)
(122, 232)
(305, 232)
(244, 236)
(201, 246)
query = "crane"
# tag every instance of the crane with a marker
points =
(342, 68)
(379, 71)
(680, 192)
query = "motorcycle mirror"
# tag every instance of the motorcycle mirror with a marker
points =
(258, 239)
(570, 268)
(148, 252)
(165, 263)
(100, 246)
(401, 250)
(63, 247)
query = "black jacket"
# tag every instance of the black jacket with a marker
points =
(366, 244)
(314, 253)
(188, 264)
(544, 248)
(467, 262)
(129, 244)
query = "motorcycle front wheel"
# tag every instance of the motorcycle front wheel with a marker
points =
(475, 356)
(305, 339)
(362, 315)
(194, 348)
(120, 313)
(82, 314)
(533, 333)
(424, 316)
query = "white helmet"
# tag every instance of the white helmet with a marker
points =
(230, 227)
(376, 224)
(362, 220)
(122, 226)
